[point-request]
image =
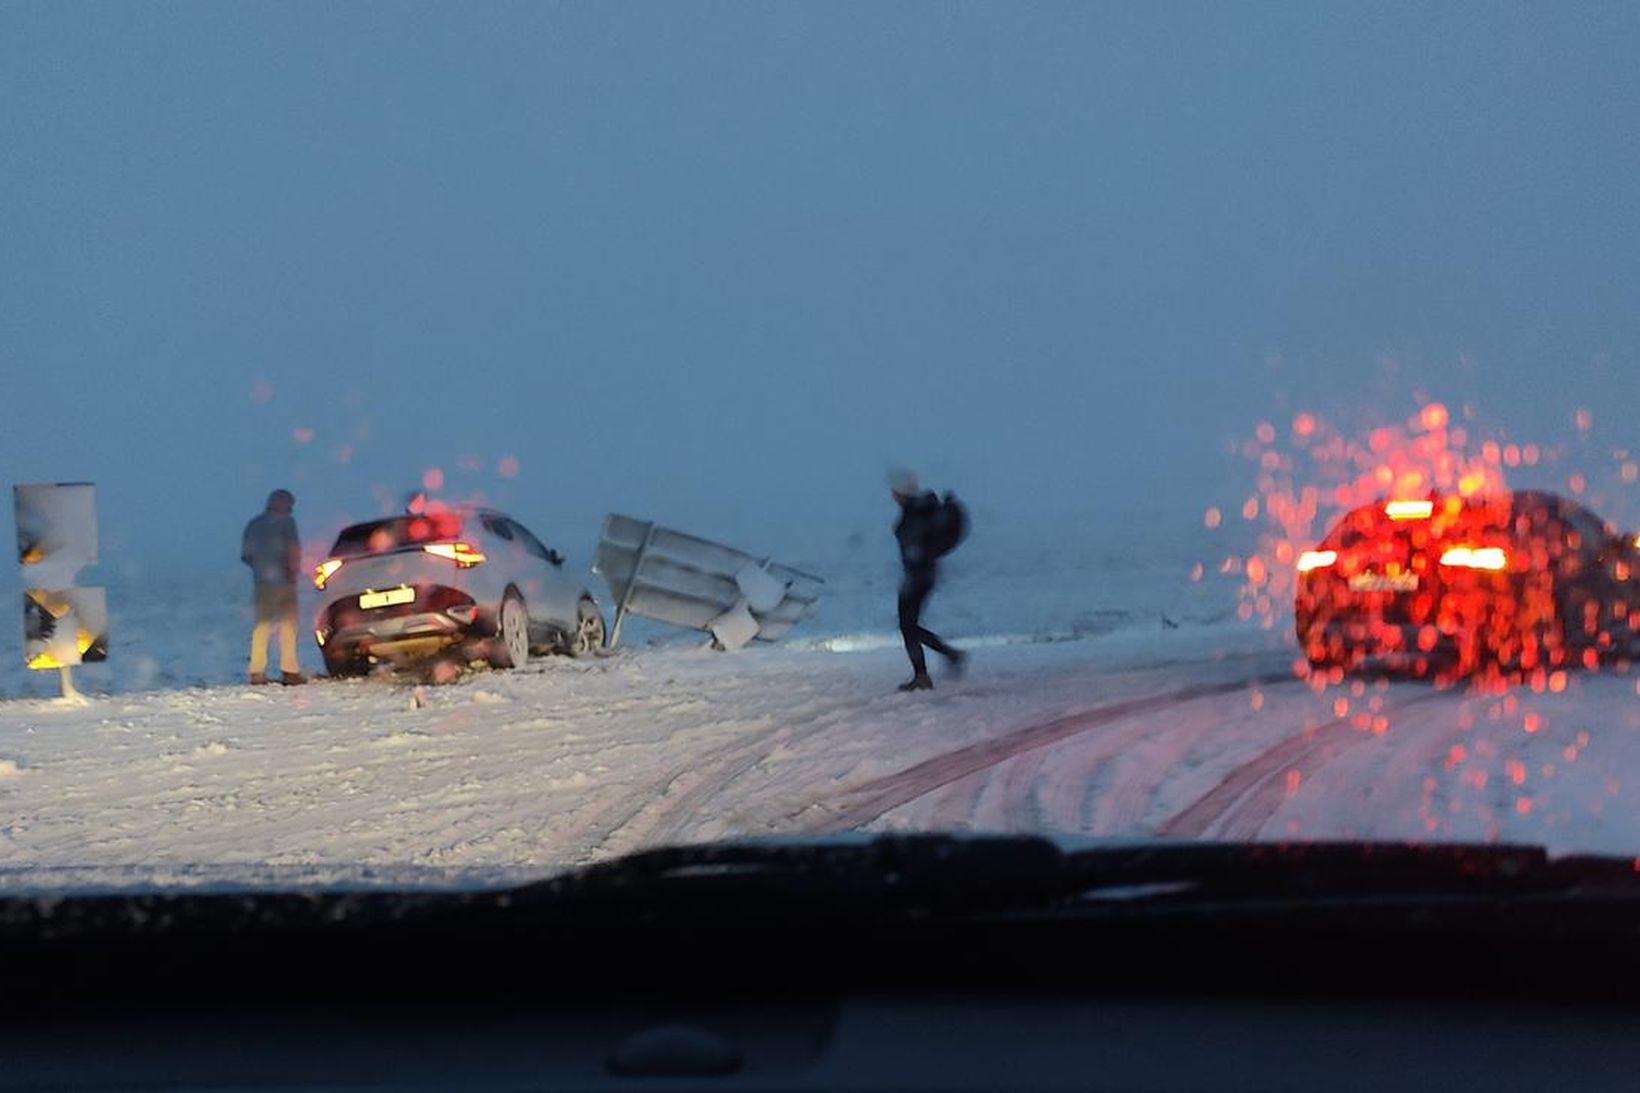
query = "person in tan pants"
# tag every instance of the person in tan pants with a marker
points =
(273, 550)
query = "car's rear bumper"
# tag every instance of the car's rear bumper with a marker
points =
(406, 636)
(1342, 639)
(438, 619)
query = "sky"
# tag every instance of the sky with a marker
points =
(726, 264)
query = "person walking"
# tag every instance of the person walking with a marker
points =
(928, 529)
(272, 549)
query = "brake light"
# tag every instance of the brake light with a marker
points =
(325, 570)
(1409, 510)
(1316, 559)
(1493, 558)
(461, 554)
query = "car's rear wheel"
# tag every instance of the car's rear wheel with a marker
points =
(1526, 633)
(589, 630)
(344, 666)
(1586, 618)
(511, 647)
(1321, 654)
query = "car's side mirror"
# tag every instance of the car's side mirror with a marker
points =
(1621, 549)
(555, 558)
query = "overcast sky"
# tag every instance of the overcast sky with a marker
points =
(725, 264)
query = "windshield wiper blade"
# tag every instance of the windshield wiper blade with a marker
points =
(942, 875)
(890, 873)
(840, 879)
(952, 875)
(1300, 871)
(949, 874)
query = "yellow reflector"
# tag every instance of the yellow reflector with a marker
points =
(1316, 559)
(1409, 510)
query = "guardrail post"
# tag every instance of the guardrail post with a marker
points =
(632, 582)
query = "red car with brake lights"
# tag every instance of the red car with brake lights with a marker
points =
(1522, 581)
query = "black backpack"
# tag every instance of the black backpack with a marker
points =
(950, 526)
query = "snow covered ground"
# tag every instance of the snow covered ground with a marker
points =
(1100, 720)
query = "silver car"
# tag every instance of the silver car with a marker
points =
(470, 582)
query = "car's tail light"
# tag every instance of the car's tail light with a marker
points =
(325, 570)
(461, 554)
(1409, 510)
(1316, 559)
(1464, 557)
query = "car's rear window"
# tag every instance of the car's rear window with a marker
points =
(397, 533)
(1372, 524)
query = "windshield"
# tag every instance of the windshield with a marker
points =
(450, 445)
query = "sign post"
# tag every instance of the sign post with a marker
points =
(63, 624)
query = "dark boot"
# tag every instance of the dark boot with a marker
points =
(292, 679)
(258, 678)
(918, 682)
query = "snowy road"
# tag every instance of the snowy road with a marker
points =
(1198, 732)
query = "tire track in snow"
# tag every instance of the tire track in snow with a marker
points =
(669, 813)
(868, 802)
(1246, 798)
(1390, 787)
(1019, 791)
(669, 817)
(957, 806)
(594, 832)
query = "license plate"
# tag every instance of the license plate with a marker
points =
(1383, 582)
(387, 599)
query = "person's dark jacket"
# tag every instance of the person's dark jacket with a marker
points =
(917, 532)
(271, 548)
